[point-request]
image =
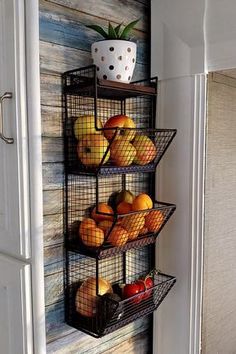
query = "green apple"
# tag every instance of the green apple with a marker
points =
(86, 125)
(124, 196)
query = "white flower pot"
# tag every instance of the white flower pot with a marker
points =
(115, 59)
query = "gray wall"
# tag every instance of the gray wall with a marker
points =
(219, 293)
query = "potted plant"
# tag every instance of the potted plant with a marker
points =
(115, 56)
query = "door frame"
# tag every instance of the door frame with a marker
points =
(35, 172)
(197, 205)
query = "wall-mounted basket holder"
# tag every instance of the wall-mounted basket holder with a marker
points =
(97, 167)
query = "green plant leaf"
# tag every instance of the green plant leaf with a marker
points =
(111, 32)
(117, 29)
(128, 29)
(98, 29)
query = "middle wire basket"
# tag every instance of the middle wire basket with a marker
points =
(111, 214)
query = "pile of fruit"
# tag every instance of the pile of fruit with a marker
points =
(122, 146)
(100, 226)
(86, 301)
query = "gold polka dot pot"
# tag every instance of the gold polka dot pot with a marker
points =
(115, 59)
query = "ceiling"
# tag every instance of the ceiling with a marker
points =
(186, 19)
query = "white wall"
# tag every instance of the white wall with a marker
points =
(176, 100)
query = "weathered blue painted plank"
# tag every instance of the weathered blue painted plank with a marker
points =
(54, 288)
(53, 176)
(75, 34)
(53, 202)
(118, 11)
(75, 341)
(57, 59)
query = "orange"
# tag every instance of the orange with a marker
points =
(154, 220)
(91, 236)
(87, 223)
(133, 224)
(133, 234)
(143, 231)
(124, 208)
(118, 236)
(105, 225)
(142, 202)
(102, 208)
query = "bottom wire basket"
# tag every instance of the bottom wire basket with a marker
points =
(97, 305)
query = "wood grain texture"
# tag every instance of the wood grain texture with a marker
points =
(79, 343)
(69, 29)
(55, 58)
(64, 45)
(219, 306)
(116, 11)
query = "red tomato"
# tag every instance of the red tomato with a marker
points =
(130, 290)
(149, 284)
(142, 289)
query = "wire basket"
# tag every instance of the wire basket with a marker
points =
(103, 296)
(109, 127)
(99, 223)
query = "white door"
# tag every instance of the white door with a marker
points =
(14, 225)
(15, 307)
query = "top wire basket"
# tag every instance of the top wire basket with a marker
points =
(109, 127)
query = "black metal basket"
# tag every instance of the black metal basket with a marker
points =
(111, 232)
(90, 306)
(92, 146)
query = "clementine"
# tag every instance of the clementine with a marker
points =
(143, 231)
(142, 202)
(133, 224)
(102, 208)
(154, 220)
(90, 234)
(105, 225)
(124, 208)
(118, 236)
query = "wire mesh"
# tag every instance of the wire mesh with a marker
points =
(108, 215)
(103, 295)
(110, 133)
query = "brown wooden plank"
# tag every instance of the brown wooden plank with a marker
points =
(53, 202)
(51, 90)
(54, 291)
(54, 259)
(52, 229)
(51, 121)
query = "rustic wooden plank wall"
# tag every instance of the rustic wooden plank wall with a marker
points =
(65, 44)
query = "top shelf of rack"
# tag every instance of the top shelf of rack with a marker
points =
(84, 82)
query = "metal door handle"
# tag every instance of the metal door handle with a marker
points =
(2, 136)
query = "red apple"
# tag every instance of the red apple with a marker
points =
(120, 121)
